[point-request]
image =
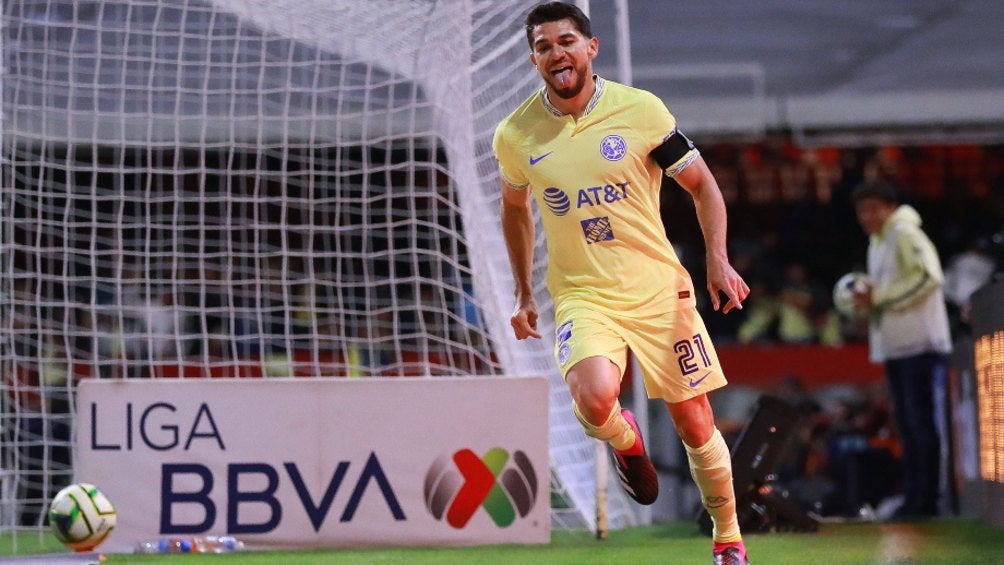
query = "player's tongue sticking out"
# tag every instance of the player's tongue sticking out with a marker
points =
(564, 77)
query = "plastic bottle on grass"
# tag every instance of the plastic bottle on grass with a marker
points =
(199, 544)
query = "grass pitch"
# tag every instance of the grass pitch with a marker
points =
(941, 542)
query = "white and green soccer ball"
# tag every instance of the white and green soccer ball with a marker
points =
(81, 516)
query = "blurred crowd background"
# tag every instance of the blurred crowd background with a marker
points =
(793, 231)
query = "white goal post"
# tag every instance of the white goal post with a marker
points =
(257, 188)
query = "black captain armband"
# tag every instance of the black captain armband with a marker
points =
(675, 153)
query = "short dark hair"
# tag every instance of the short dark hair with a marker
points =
(554, 11)
(879, 189)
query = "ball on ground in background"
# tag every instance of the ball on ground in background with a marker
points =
(81, 516)
(843, 294)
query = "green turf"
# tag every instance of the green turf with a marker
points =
(941, 542)
(29, 543)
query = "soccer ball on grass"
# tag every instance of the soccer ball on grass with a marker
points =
(81, 516)
(843, 294)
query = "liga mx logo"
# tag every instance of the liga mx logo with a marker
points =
(613, 148)
(457, 486)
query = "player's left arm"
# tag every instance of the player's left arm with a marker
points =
(696, 178)
(680, 160)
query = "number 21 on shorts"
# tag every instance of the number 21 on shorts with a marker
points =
(685, 349)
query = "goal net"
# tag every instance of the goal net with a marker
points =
(257, 188)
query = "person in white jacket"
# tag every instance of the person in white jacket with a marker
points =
(908, 332)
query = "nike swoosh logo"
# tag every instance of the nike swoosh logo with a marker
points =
(694, 383)
(537, 160)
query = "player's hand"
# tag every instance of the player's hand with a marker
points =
(863, 295)
(723, 278)
(524, 319)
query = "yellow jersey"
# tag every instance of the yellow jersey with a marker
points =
(597, 190)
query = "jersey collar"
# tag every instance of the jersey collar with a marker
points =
(589, 107)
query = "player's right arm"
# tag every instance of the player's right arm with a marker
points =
(520, 233)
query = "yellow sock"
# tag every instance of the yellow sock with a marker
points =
(711, 468)
(615, 431)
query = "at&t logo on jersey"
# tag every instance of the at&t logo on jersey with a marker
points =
(557, 200)
(457, 486)
(560, 204)
(613, 147)
(597, 195)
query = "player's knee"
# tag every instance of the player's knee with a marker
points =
(596, 410)
(694, 421)
(595, 385)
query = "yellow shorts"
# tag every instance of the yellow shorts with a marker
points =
(674, 351)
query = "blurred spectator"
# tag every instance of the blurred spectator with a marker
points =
(36, 381)
(760, 314)
(213, 304)
(273, 318)
(966, 272)
(799, 300)
(798, 312)
(150, 324)
(861, 462)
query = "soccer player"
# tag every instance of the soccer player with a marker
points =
(593, 153)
